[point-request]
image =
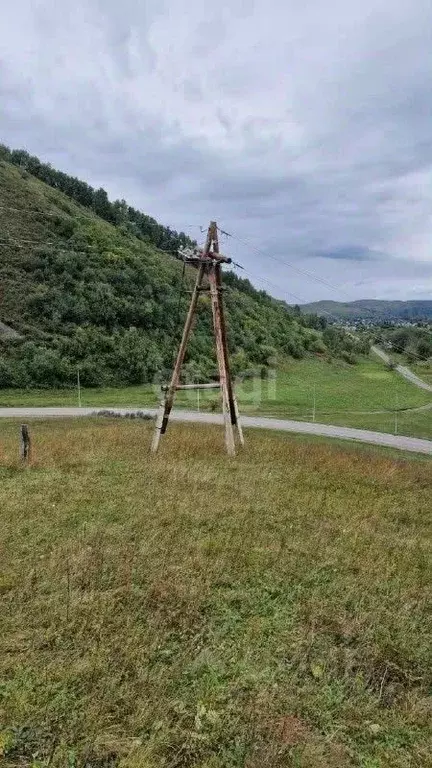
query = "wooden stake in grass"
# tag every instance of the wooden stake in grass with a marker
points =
(25, 444)
(68, 596)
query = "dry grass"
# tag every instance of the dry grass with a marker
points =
(189, 610)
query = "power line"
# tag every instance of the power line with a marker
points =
(305, 272)
(273, 285)
(301, 300)
(48, 243)
(75, 214)
(62, 248)
(18, 244)
(300, 271)
(44, 213)
(286, 293)
(269, 282)
(289, 264)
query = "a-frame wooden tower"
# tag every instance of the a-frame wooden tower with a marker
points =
(208, 262)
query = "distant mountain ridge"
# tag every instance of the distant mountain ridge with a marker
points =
(372, 309)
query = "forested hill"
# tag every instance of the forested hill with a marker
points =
(118, 212)
(82, 292)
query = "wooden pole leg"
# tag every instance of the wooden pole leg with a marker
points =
(165, 408)
(158, 427)
(239, 426)
(222, 358)
(229, 433)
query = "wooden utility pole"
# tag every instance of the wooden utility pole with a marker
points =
(209, 262)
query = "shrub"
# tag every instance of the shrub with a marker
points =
(349, 357)
(317, 346)
(6, 375)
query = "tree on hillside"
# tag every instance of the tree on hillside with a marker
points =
(101, 205)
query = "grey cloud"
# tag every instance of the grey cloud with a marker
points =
(192, 91)
(352, 253)
(305, 146)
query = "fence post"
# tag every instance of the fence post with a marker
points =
(396, 414)
(25, 444)
(314, 403)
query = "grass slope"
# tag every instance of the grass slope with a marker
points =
(284, 624)
(86, 293)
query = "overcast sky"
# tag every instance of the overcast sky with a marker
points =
(304, 128)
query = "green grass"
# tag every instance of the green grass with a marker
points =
(344, 395)
(410, 424)
(187, 610)
(339, 389)
(115, 396)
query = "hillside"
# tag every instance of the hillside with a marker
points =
(372, 309)
(270, 613)
(81, 291)
(7, 332)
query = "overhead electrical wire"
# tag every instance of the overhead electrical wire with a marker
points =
(311, 275)
(35, 212)
(285, 263)
(246, 243)
(383, 408)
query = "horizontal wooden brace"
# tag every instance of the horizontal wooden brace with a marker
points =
(210, 259)
(207, 290)
(212, 385)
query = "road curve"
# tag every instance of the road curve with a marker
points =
(400, 442)
(403, 370)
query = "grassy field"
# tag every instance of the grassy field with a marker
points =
(344, 395)
(187, 610)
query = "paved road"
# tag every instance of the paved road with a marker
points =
(413, 444)
(403, 370)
